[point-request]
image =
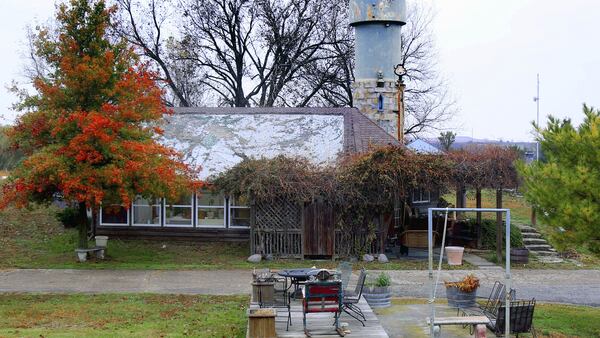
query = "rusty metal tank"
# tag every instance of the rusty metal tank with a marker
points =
(377, 25)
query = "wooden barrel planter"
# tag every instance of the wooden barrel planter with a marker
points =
(378, 296)
(519, 255)
(460, 299)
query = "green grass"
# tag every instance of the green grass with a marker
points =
(555, 320)
(112, 315)
(35, 239)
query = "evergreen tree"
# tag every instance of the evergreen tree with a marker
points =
(565, 188)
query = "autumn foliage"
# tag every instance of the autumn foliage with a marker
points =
(90, 131)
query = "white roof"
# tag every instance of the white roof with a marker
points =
(217, 142)
(422, 147)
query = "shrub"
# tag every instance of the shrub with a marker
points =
(68, 217)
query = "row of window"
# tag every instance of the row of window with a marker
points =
(204, 210)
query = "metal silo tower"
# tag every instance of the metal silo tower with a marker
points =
(377, 25)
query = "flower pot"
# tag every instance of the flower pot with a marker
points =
(460, 299)
(454, 255)
(377, 296)
(101, 241)
(81, 255)
(519, 255)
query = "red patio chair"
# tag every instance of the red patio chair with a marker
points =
(323, 297)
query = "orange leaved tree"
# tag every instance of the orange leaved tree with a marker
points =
(89, 133)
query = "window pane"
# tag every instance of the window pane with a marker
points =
(146, 215)
(114, 214)
(145, 201)
(241, 201)
(211, 216)
(184, 199)
(206, 198)
(181, 216)
(240, 217)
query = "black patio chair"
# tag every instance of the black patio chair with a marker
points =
(351, 299)
(521, 318)
(494, 300)
(345, 271)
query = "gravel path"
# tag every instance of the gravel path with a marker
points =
(565, 286)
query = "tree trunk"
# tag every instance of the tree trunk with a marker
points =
(461, 199)
(83, 226)
(478, 205)
(533, 217)
(499, 227)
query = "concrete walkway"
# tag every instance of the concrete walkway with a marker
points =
(565, 286)
(218, 282)
(562, 286)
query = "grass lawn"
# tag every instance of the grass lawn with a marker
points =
(35, 239)
(111, 315)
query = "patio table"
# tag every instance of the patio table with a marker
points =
(298, 277)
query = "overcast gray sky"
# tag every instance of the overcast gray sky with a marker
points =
(490, 51)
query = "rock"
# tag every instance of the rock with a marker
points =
(383, 258)
(256, 258)
(269, 257)
(368, 258)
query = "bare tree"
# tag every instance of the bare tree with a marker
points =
(428, 104)
(278, 53)
(143, 25)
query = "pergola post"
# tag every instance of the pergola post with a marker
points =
(499, 226)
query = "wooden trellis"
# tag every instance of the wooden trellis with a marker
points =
(277, 229)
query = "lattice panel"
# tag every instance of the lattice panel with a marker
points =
(279, 215)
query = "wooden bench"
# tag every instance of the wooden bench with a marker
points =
(458, 320)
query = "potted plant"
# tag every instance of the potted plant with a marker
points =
(462, 293)
(377, 292)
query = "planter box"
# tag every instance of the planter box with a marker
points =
(377, 296)
(460, 299)
(519, 255)
(264, 290)
(261, 323)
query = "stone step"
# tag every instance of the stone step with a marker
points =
(550, 259)
(533, 241)
(526, 228)
(531, 234)
(545, 253)
(539, 247)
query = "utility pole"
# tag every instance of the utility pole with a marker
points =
(537, 141)
(537, 122)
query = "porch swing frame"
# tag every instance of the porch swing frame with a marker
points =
(432, 284)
